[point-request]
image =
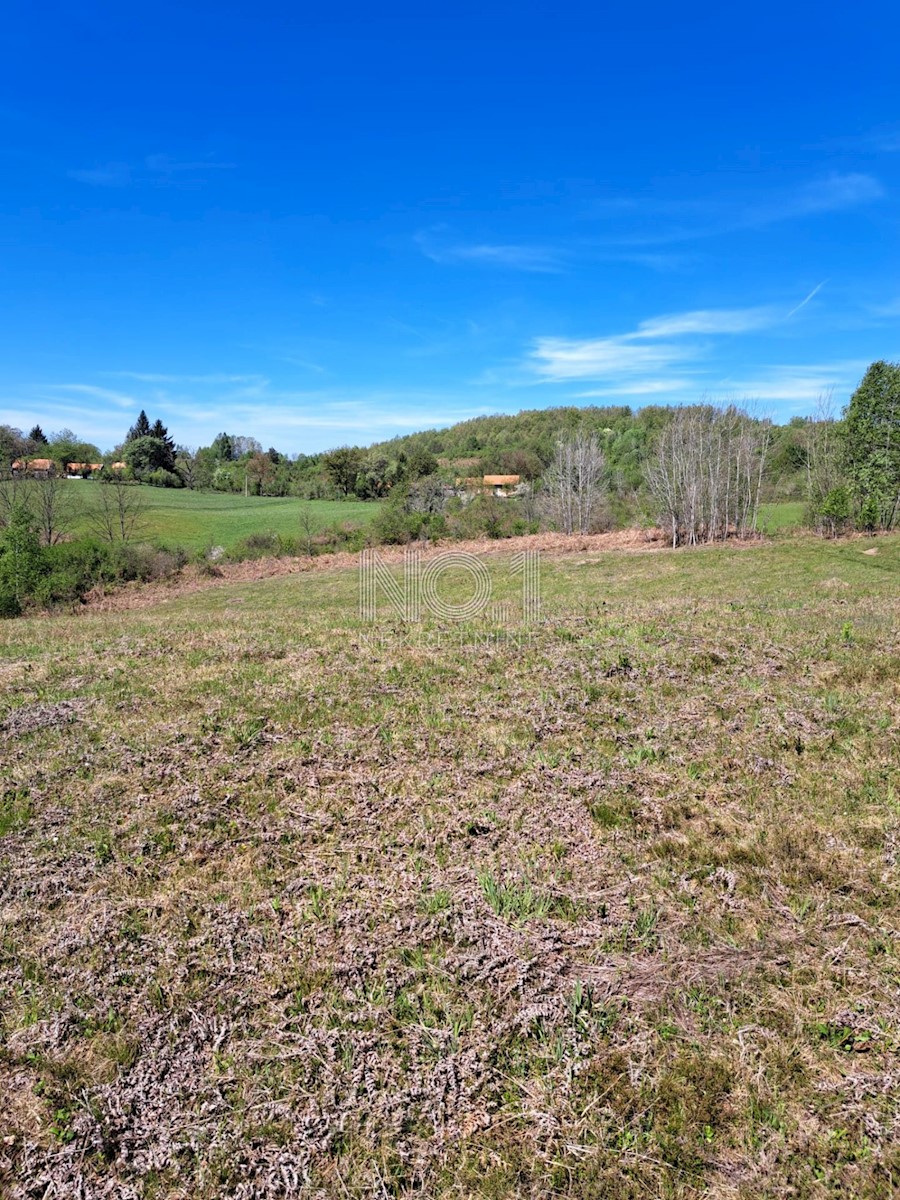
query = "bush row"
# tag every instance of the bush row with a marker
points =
(32, 575)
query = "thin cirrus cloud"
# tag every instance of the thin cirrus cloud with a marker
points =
(834, 193)
(792, 387)
(114, 174)
(885, 139)
(638, 227)
(154, 377)
(538, 258)
(544, 260)
(654, 346)
(806, 299)
(156, 169)
(308, 420)
(695, 220)
(797, 385)
(90, 391)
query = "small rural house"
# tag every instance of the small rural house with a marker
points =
(501, 485)
(491, 485)
(79, 470)
(40, 468)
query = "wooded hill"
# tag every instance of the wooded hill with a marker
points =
(523, 443)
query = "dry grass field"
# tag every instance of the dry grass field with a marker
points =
(294, 905)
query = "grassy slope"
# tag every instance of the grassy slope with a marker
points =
(198, 519)
(782, 517)
(609, 913)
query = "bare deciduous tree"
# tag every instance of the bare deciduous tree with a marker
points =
(186, 466)
(530, 502)
(428, 495)
(824, 473)
(54, 506)
(706, 474)
(573, 485)
(14, 491)
(119, 511)
(309, 524)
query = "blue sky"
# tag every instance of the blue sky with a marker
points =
(335, 223)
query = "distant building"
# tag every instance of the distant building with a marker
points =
(77, 470)
(39, 468)
(501, 485)
(491, 485)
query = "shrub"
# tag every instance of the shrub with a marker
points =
(146, 563)
(9, 603)
(254, 545)
(832, 513)
(869, 515)
(344, 536)
(395, 525)
(69, 570)
(835, 510)
(21, 558)
(263, 545)
(487, 516)
(162, 478)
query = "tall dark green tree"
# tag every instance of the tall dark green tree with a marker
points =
(38, 436)
(872, 442)
(223, 447)
(141, 428)
(158, 430)
(146, 454)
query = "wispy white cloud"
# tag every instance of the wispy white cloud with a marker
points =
(155, 169)
(796, 385)
(197, 407)
(556, 360)
(834, 193)
(650, 222)
(806, 299)
(164, 164)
(711, 320)
(153, 377)
(885, 311)
(114, 174)
(654, 346)
(670, 387)
(883, 140)
(537, 257)
(792, 388)
(516, 257)
(305, 364)
(99, 394)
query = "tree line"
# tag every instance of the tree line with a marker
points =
(700, 471)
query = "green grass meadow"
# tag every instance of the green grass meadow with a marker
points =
(786, 516)
(196, 520)
(602, 906)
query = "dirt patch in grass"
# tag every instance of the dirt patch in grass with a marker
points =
(30, 717)
(193, 579)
